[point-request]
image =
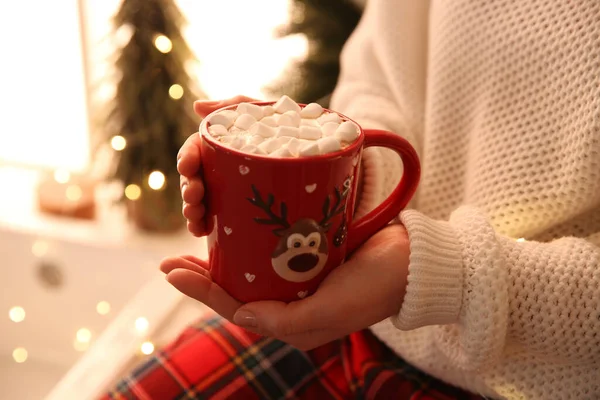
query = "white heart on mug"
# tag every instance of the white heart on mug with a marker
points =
(227, 230)
(310, 188)
(249, 277)
(244, 170)
(302, 294)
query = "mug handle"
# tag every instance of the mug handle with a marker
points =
(362, 229)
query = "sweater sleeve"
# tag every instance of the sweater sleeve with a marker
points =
(502, 294)
(487, 293)
(364, 95)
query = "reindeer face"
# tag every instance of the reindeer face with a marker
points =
(301, 252)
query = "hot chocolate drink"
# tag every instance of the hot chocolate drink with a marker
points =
(284, 129)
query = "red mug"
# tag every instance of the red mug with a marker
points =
(278, 226)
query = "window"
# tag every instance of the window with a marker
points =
(43, 101)
(43, 113)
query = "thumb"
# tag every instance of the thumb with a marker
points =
(277, 319)
(204, 107)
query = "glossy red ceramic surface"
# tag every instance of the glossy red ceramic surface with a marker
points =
(278, 226)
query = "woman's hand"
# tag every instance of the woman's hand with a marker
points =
(188, 165)
(365, 290)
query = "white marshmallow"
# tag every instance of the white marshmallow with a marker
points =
(268, 111)
(310, 149)
(225, 118)
(310, 133)
(286, 104)
(283, 140)
(263, 130)
(294, 146)
(244, 121)
(312, 110)
(238, 142)
(288, 131)
(347, 132)
(281, 130)
(329, 145)
(255, 140)
(290, 118)
(295, 117)
(226, 139)
(252, 109)
(249, 148)
(329, 128)
(269, 146)
(270, 120)
(217, 130)
(282, 152)
(309, 122)
(329, 117)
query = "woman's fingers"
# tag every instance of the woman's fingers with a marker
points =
(192, 190)
(190, 263)
(202, 263)
(194, 213)
(198, 229)
(203, 108)
(203, 289)
(188, 159)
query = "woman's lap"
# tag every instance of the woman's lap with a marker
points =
(218, 360)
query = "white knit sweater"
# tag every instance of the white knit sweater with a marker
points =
(502, 101)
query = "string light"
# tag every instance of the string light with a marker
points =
(16, 314)
(147, 348)
(133, 192)
(141, 324)
(156, 180)
(118, 143)
(80, 346)
(39, 248)
(20, 355)
(163, 44)
(521, 240)
(61, 175)
(176, 91)
(123, 34)
(73, 193)
(103, 307)
(84, 335)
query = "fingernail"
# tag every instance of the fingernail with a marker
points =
(245, 318)
(183, 189)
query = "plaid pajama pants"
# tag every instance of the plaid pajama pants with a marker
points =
(215, 359)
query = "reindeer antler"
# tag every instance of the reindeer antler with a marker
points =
(338, 208)
(266, 207)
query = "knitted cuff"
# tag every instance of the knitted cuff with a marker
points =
(435, 273)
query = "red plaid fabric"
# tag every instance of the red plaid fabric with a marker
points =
(215, 359)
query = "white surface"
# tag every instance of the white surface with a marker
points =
(118, 344)
(104, 260)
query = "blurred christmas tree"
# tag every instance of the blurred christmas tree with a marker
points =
(327, 25)
(151, 114)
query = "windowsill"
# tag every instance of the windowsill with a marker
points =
(110, 229)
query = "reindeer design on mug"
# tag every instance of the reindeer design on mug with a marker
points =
(302, 250)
